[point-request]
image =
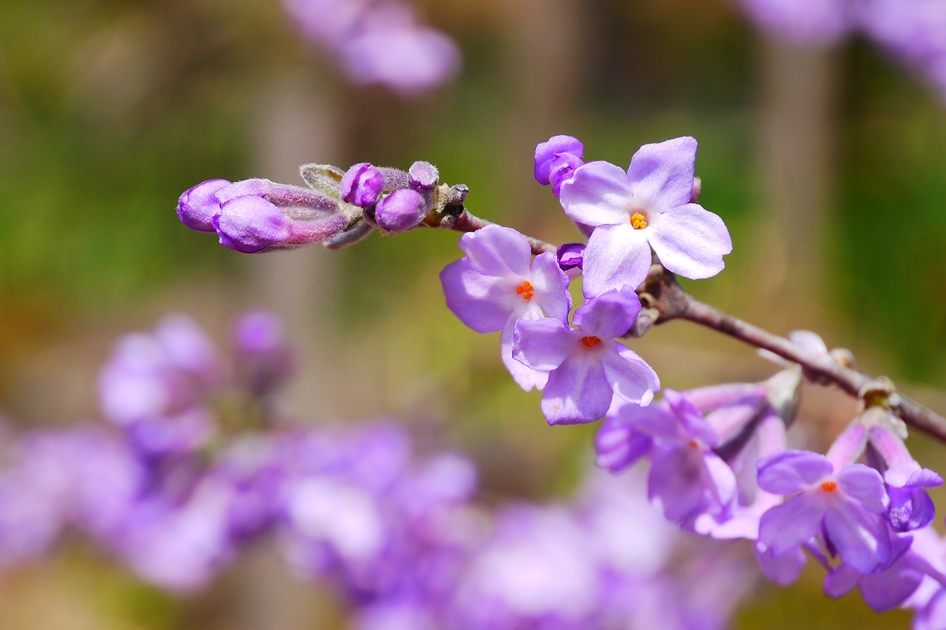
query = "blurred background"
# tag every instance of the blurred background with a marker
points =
(827, 164)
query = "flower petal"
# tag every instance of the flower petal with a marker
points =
(525, 377)
(577, 391)
(478, 300)
(859, 536)
(786, 526)
(788, 472)
(543, 344)
(864, 485)
(618, 445)
(690, 241)
(661, 174)
(498, 251)
(609, 315)
(597, 194)
(630, 376)
(617, 255)
(841, 581)
(676, 479)
(784, 569)
(551, 287)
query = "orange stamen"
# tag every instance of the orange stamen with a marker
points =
(829, 486)
(638, 221)
(590, 342)
(526, 290)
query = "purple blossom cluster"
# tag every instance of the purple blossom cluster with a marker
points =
(913, 31)
(398, 534)
(379, 42)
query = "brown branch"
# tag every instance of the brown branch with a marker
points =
(466, 222)
(666, 300)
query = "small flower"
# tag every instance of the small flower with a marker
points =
(556, 160)
(847, 505)
(685, 474)
(264, 358)
(362, 185)
(586, 366)
(400, 211)
(570, 256)
(494, 286)
(649, 206)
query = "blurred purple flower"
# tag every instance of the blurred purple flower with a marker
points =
(819, 22)
(379, 42)
(646, 207)
(264, 358)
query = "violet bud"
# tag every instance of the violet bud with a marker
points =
(400, 211)
(556, 159)
(250, 224)
(198, 205)
(362, 185)
(570, 256)
(423, 177)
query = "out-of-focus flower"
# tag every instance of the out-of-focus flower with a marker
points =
(494, 286)
(586, 366)
(379, 42)
(646, 207)
(820, 22)
(264, 360)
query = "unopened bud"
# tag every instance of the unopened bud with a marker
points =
(362, 185)
(400, 211)
(197, 206)
(423, 177)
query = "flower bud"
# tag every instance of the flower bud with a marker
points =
(423, 177)
(570, 256)
(198, 205)
(251, 224)
(556, 160)
(362, 185)
(400, 211)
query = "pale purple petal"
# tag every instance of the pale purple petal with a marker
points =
(616, 256)
(719, 478)
(551, 287)
(618, 445)
(661, 174)
(630, 376)
(478, 300)
(676, 478)
(652, 420)
(809, 341)
(864, 485)
(525, 377)
(787, 526)
(690, 241)
(597, 194)
(577, 391)
(609, 315)
(543, 344)
(841, 581)
(885, 590)
(859, 536)
(848, 447)
(784, 569)
(498, 251)
(792, 471)
(692, 421)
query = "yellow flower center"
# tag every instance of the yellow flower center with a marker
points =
(638, 221)
(526, 290)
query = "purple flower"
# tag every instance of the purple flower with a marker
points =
(257, 215)
(494, 286)
(686, 475)
(400, 211)
(586, 366)
(556, 161)
(570, 256)
(362, 185)
(890, 584)
(846, 505)
(647, 207)
(198, 205)
(264, 360)
(821, 22)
